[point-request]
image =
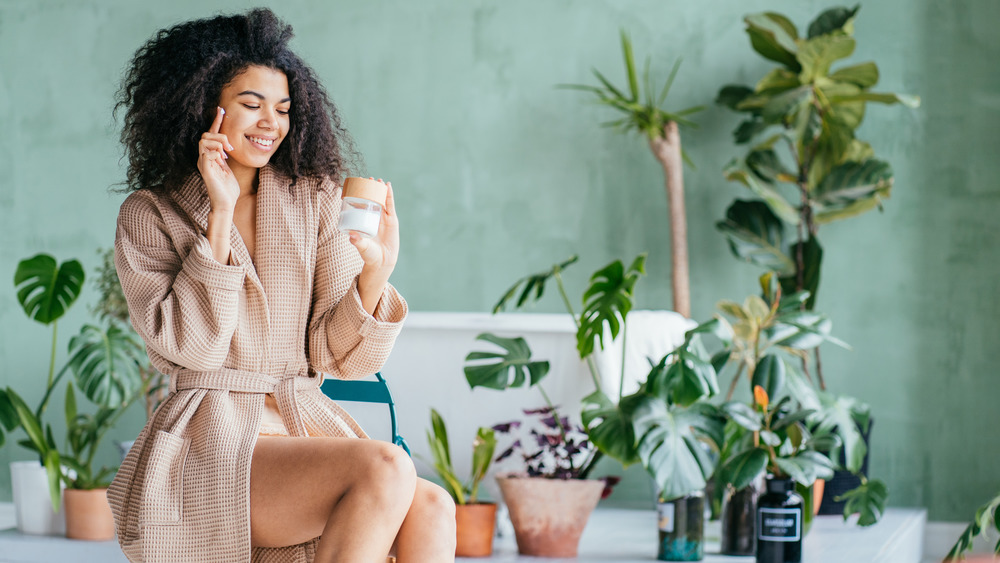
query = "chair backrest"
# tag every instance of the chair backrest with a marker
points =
(365, 391)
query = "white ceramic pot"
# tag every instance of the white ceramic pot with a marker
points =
(32, 503)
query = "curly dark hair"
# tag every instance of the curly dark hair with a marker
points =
(172, 87)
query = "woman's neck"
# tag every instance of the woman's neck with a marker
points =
(248, 179)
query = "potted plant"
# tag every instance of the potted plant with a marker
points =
(986, 518)
(803, 116)
(607, 301)
(475, 519)
(105, 363)
(661, 128)
(46, 289)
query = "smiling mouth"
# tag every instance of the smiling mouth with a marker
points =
(261, 142)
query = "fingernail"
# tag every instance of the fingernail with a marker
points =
(230, 147)
(222, 110)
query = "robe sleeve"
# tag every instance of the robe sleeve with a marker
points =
(185, 307)
(344, 340)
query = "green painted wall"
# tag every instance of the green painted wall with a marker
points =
(498, 173)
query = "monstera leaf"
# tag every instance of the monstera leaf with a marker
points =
(608, 300)
(107, 364)
(868, 502)
(609, 426)
(672, 443)
(533, 283)
(509, 370)
(46, 290)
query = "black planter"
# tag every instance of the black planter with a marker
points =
(843, 480)
(738, 515)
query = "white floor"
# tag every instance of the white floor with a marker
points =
(612, 535)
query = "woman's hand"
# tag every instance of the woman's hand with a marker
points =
(223, 189)
(379, 254)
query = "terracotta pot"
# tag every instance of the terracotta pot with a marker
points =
(549, 515)
(475, 524)
(817, 492)
(88, 515)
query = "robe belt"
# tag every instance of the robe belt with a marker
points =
(242, 381)
(283, 387)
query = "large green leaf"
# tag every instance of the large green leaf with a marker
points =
(839, 414)
(882, 98)
(107, 364)
(786, 211)
(777, 81)
(691, 379)
(764, 162)
(533, 283)
(773, 36)
(756, 235)
(607, 300)
(816, 55)
(732, 95)
(812, 261)
(483, 448)
(671, 444)
(834, 19)
(806, 466)
(744, 468)
(609, 426)
(741, 414)
(782, 108)
(46, 290)
(868, 501)
(864, 75)
(511, 370)
(851, 189)
(769, 374)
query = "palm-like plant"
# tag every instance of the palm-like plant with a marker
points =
(645, 114)
(483, 447)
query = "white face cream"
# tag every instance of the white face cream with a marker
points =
(361, 215)
(361, 210)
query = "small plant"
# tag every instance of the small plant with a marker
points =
(553, 447)
(482, 454)
(987, 519)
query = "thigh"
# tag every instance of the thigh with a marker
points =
(295, 483)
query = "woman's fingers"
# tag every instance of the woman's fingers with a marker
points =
(217, 123)
(206, 147)
(390, 201)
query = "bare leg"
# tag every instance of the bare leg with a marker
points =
(428, 531)
(354, 493)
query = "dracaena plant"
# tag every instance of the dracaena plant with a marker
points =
(606, 303)
(645, 113)
(801, 119)
(986, 521)
(483, 448)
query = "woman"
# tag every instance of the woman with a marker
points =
(243, 289)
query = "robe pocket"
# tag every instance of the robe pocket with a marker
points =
(162, 492)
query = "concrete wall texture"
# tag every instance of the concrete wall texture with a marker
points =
(498, 173)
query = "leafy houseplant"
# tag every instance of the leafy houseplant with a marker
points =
(475, 520)
(986, 518)
(644, 113)
(809, 113)
(105, 364)
(607, 301)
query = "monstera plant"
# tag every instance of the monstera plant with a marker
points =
(806, 166)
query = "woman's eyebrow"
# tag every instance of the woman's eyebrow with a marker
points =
(260, 96)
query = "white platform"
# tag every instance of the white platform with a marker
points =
(612, 535)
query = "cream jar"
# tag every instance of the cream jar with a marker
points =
(361, 209)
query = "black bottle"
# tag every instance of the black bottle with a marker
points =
(779, 522)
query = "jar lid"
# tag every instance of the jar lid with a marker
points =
(779, 484)
(372, 190)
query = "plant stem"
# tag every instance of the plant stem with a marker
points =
(666, 148)
(49, 390)
(736, 379)
(621, 383)
(819, 370)
(594, 375)
(52, 358)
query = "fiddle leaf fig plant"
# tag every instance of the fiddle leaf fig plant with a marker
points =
(802, 117)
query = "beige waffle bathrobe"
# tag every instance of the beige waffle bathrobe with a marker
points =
(227, 335)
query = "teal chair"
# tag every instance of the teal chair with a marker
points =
(363, 391)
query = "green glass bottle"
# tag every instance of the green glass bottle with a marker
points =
(779, 522)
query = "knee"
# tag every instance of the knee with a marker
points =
(390, 470)
(436, 506)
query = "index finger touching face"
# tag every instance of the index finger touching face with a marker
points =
(217, 124)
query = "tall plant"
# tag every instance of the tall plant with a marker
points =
(807, 167)
(644, 113)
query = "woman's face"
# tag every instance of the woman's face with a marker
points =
(256, 120)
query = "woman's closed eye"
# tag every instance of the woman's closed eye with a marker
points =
(256, 107)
